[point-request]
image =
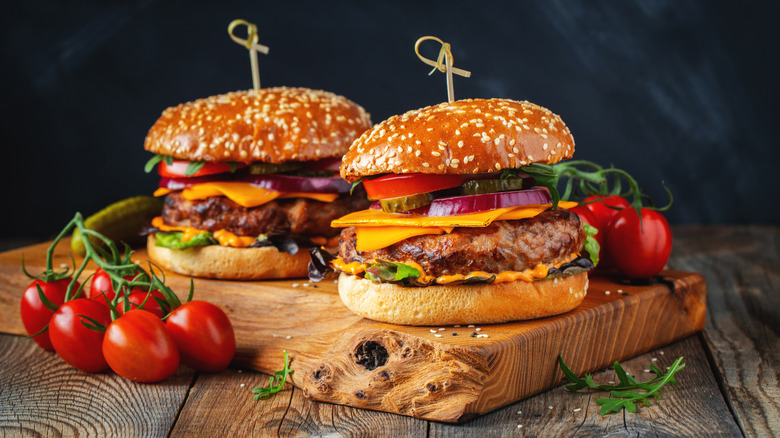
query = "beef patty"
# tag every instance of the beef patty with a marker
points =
(295, 215)
(514, 245)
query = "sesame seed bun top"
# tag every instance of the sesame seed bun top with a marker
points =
(465, 136)
(271, 125)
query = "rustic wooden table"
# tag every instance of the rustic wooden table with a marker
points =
(730, 385)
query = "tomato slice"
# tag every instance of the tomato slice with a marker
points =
(395, 186)
(178, 169)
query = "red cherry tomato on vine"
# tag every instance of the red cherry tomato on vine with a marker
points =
(137, 298)
(604, 209)
(35, 315)
(101, 282)
(204, 335)
(76, 344)
(640, 250)
(137, 347)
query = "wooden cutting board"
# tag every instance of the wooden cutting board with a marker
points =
(446, 374)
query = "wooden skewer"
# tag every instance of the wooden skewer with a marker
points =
(252, 45)
(443, 63)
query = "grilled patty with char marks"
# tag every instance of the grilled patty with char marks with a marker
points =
(295, 216)
(514, 245)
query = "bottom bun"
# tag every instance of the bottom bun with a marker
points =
(464, 303)
(217, 261)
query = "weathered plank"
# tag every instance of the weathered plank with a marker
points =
(42, 395)
(219, 406)
(694, 407)
(742, 268)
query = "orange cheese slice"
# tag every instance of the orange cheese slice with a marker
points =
(378, 218)
(376, 229)
(373, 238)
(243, 194)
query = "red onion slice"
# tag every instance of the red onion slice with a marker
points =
(490, 201)
(287, 183)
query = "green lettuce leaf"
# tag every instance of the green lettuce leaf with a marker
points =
(387, 271)
(591, 244)
(173, 240)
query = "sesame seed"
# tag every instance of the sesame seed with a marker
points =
(441, 329)
(519, 426)
(549, 407)
(432, 331)
(460, 144)
(647, 371)
(654, 359)
(295, 285)
(606, 292)
(472, 325)
(479, 329)
(544, 146)
(242, 385)
(426, 165)
(437, 335)
(578, 409)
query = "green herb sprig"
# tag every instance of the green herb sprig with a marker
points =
(623, 393)
(277, 381)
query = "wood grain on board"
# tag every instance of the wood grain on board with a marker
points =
(410, 370)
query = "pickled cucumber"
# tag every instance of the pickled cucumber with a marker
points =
(120, 221)
(263, 168)
(482, 186)
(406, 203)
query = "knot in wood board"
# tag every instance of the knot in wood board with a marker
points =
(371, 355)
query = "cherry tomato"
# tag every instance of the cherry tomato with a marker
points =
(640, 250)
(35, 315)
(204, 335)
(101, 282)
(394, 186)
(603, 214)
(178, 169)
(138, 347)
(76, 344)
(137, 297)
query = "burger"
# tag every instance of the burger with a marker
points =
(466, 225)
(249, 179)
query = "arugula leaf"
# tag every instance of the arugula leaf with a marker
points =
(623, 396)
(193, 167)
(355, 184)
(591, 244)
(545, 175)
(277, 381)
(149, 166)
(173, 240)
(233, 166)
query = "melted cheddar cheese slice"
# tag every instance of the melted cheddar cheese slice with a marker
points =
(243, 194)
(376, 229)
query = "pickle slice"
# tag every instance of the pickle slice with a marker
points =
(120, 221)
(263, 168)
(406, 203)
(482, 186)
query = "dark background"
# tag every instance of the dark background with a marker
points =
(680, 92)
